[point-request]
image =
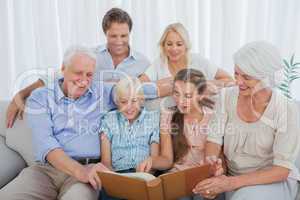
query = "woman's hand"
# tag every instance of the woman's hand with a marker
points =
(210, 188)
(216, 167)
(145, 166)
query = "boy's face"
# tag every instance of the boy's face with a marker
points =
(130, 105)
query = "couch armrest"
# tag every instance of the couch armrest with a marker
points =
(11, 163)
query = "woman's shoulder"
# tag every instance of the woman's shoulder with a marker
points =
(281, 104)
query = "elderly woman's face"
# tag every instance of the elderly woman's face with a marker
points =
(246, 83)
(174, 47)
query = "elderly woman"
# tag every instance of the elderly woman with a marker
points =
(258, 129)
(175, 55)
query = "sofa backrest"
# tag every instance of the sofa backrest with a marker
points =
(19, 138)
(3, 106)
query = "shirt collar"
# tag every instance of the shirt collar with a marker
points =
(60, 94)
(138, 120)
(132, 54)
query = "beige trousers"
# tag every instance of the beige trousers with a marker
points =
(44, 182)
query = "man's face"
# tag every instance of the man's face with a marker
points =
(117, 36)
(78, 75)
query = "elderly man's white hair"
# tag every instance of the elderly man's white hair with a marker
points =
(131, 85)
(260, 60)
(77, 50)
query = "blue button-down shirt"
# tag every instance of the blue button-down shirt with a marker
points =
(134, 65)
(72, 125)
(130, 143)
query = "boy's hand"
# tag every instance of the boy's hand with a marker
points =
(145, 166)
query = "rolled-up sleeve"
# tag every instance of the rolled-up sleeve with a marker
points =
(39, 120)
(287, 139)
(104, 128)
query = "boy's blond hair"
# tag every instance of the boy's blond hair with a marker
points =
(131, 85)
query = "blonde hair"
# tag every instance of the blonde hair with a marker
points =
(183, 33)
(129, 84)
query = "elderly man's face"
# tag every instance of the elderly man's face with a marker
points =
(78, 75)
(118, 39)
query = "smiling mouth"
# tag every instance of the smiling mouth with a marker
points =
(243, 88)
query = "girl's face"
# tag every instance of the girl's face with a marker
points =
(246, 83)
(174, 47)
(186, 97)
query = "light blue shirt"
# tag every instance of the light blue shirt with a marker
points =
(72, 125)
(130, 143)
(134, 65)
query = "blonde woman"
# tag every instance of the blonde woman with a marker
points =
(175, 55)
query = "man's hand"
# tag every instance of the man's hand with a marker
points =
(15, 110)
(88, 174)
(145, 166)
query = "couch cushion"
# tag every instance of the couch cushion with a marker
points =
(19, 138)
(3, 106)
(11, 163)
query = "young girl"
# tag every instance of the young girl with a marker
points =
(184, 128)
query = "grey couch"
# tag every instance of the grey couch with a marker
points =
(16, 148)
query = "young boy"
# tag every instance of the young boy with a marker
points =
(129, 135)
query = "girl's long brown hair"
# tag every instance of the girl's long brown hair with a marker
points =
(179, 141)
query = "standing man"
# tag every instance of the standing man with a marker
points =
(114, 59)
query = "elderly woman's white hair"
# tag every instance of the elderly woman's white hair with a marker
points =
(260, 60)
(181, 30)
(131, 85)
(77, 50)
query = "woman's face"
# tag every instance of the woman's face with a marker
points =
(186, 97)
(174, 47)
(247, 84)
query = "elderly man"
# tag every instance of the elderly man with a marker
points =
(114, 59)
(65, 118)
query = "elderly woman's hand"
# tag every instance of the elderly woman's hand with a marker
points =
(210, 188)
(216, 167)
